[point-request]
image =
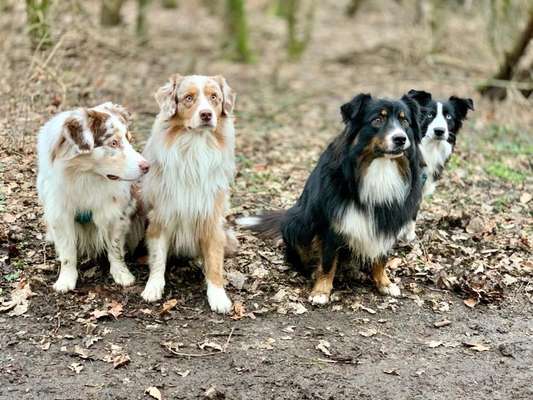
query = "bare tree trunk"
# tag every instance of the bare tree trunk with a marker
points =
(510, 62)
(237, 31)
(38, 27)
(140, 24)
(169, 3)
(297, 43)
(110, 12)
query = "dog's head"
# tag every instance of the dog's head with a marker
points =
(381, 127)
(441, 120)
(97, 140)
(196, 101)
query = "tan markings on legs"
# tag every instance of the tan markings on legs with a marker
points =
(382, 281)
(323, 284)
(213, 241)
(153, 231)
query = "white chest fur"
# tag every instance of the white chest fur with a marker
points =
(381, 185)
(435, 153)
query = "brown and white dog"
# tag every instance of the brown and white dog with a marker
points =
(186, 192)
(87, 168)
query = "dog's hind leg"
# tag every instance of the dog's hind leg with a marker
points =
(115, 253)
(382, 281)
(157, 241)
(64, 234)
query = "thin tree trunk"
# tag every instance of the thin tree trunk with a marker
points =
(110, 12)
(296, 44)
(37, 20)
(510, 62)
(169, 3)
(353, 7)
(140, 25)
(237, 31)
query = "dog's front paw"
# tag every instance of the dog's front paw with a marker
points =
(318, 298)
(122, 276)
(153, 290)
(218, 299)
(66, 281)
(390, 290)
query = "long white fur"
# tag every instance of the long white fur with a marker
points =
(64, 194)
(181, 193)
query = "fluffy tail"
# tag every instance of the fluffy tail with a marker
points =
(266, 225)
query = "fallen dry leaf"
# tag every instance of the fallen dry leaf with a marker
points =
(369, 332)
(471, 302)
(239, 311)
(476, 346)
(392, 371)
(153, 392)
(121, 360)
(81, 352)
(168, 305)
(210, 345)
(76, 367)
(323, 346)
(297, 308)
(115, 309)
(443, 323)
(434, 343)
(19, 302)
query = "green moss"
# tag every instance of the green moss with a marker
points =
(505, 173)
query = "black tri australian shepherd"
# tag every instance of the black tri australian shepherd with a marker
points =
(365, 188)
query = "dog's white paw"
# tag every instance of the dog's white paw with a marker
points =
(319, 299)
(218, 299)
(391, 290)
(153, 290)
(122, 276)
(66, 281)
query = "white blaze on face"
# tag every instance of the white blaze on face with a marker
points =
(438, 123)
(396, 131)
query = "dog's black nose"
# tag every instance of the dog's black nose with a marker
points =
(439, 132)
(399, 140)
(205, 115)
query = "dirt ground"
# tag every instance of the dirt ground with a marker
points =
(462, 328)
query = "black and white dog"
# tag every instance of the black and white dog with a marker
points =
(365, 188)
(440, 123)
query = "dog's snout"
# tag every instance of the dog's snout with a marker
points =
(206, 115)
(439, 132)
(399, 140)
(144, 166)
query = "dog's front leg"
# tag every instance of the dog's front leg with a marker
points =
(382, 281)
(157, 241)
(64, 235)
(115, 253)
(212, 247)
(325, 272)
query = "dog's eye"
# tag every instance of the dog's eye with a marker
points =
(188, 98)
(214, 97)
(430, 115)
(377, 122)
(114, 143)
(448, 116)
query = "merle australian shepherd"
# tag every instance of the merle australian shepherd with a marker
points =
(440, 122)
(364, 189)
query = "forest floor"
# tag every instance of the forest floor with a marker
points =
(463, 327)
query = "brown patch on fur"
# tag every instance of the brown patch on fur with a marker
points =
(175, 129)
(310, 255)
(57, 148)
(212, 242)
(228, 96)
(75, 132)
(153, 231)
(369, 154)
(219, 134)
(97, 121)
(403, 165)
(379, 274)
(129, 137)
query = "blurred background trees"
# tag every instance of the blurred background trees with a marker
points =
(509, 28)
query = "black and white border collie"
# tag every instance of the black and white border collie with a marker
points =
(365, 188)
(440, 122)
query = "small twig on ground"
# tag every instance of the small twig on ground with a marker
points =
(227, 341)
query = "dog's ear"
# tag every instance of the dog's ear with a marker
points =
(76, 132)
(117, 109)
(420, 96)
(414, 109)
(229, 96)
(166, 96)
(353, 108)
(462, 106)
